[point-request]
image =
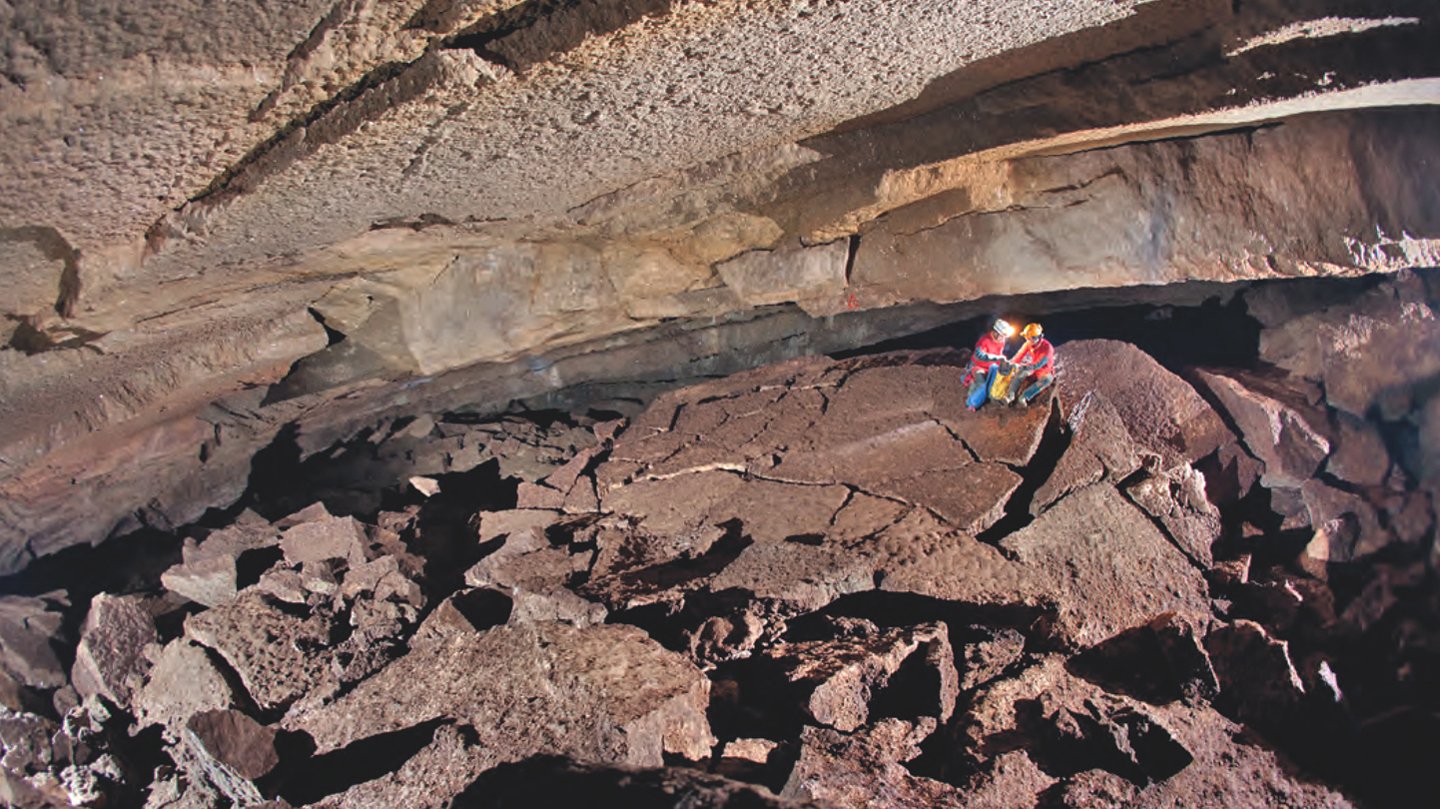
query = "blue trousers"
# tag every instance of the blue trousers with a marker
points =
(980, 386)
(1037, 384)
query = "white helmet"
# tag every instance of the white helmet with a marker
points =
(1004, 329)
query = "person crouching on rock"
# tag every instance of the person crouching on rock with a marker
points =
(1034, 365)
(985, 363)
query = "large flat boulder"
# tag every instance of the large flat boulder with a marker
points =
(1107, 566)
(605, 694)
(1162, 413)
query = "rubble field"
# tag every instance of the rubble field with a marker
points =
(822, 582)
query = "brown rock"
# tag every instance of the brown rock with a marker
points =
(1176, 497)
(554, 781)
(1239, 471)
(325, 538)
(278, 656)
(110, 660)
(866, 768)
(537, 495)
(922, 555)
(234, 751)
(1162, 413)
(753, 750)
(1255, 673)
(1279, 434)
(837, 679)
(1100, 449)
(1107, 566)
(1095, 789)
(523, 529)
(27, 657)
(207, 573)
(1347, 527)
(537, 584)
(985, 659)
(1158, 662)
(430, 779)
(605, 693)
(182, 682)
(1368, 351)
(1359, 454)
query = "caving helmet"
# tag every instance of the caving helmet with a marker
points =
(1003, 328)
(1032, 331)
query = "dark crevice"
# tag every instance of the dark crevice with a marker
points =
(851, 253)
(356, 763)
(559, 26)
(1053, 443)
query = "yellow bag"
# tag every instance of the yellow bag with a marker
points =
(1000, 388)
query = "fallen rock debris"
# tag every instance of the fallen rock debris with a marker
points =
(825, 577)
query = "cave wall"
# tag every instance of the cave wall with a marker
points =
(217, 223)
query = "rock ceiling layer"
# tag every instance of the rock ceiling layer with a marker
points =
(451, 182)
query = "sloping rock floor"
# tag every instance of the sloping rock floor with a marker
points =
(819, 583)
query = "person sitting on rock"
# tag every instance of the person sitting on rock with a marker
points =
(985, 363)
(1034, 365)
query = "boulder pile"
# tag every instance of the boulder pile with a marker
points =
(817, 583)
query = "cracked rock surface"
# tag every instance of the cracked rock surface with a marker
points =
(822, 582)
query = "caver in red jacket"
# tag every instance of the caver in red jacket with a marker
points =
(988, 351)
(1036, 357)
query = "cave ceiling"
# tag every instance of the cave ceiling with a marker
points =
(229, 217)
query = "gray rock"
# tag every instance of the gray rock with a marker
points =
(1368, 351)
(28, 662)
(207, 572)
(325, 538)
(1359, 454)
